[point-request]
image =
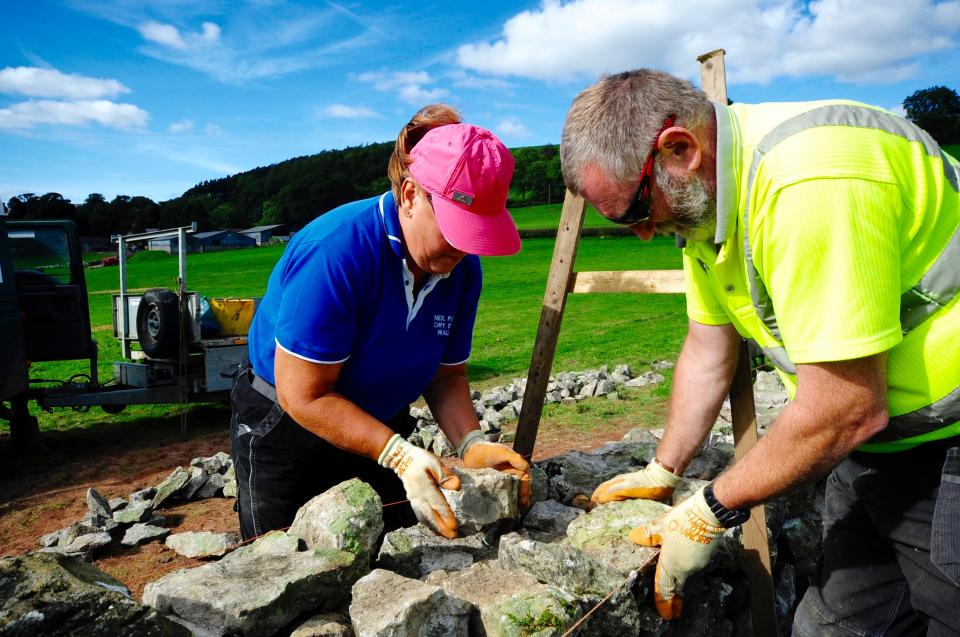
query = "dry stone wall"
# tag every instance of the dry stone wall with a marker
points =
(513, 573)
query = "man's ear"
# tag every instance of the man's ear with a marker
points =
(679, 148)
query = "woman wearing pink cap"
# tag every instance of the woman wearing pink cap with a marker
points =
(372, 306)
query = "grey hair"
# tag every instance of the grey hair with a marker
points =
(611, 124)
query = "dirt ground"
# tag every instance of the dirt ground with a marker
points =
(43, 492)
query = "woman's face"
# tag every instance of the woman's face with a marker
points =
(427, 250)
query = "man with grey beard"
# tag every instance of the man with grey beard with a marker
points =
(829, 233)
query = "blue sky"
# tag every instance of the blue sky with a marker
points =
(150, 98)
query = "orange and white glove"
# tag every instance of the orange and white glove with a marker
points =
(478, 453)
(422, 474)
(653, 482)
(687, 536)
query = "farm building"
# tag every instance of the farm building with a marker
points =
(210, 241)
(265, 234)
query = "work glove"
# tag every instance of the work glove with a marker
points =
(478, 453)
(687, 536)
(422, 475)
(653, 482)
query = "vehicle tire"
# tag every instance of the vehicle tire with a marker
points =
(113, 409)
(158, 323)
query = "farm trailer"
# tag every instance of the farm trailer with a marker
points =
(189, 351)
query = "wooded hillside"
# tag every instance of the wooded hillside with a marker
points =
(291, 192)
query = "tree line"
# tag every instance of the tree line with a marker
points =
(295, 191)
(291, 192)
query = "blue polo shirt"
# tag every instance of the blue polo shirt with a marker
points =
(342, 293)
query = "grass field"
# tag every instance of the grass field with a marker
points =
(548, 216)
(597, 328)
(953, 149)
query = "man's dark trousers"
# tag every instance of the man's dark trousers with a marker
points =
(891, 547)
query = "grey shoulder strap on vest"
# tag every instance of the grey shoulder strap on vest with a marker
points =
(939, 284)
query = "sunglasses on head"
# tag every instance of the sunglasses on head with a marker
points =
(642, 202)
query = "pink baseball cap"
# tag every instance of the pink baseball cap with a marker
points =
(467, 172)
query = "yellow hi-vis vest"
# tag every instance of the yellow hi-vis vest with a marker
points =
(838, 237)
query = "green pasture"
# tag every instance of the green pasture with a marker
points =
(597, 328)
(548, 216)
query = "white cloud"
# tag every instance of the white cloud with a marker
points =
(37, 82)
(513, 127)
(851, 40)
(80, 113)
(211, 32)
(408, 85)
(165, 34)
(348, 112)
(183, 126)
(236, 43)
(463, 79)
(212, 130)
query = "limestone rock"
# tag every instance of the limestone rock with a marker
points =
(389, 605)
(91, 523)
(579, 472)
(213, 464)
(413, 551)
(137, 512)
(143, 495)
(324, 625)
(583, 577)
(644, 379)
(142, 533)
(442, 446)
(509, 603)
(197, 478)
(708, 464)
(539, 484)
(82, 546)
(97, 505)
(604, 387)
(602, 533)
(705, 601)
(348, 517)
(257, 589)
(51, 539)
(486, 497)
(550, 518)
(230, 482)
(201, 543)
(50, 594)
(212, 487)
(171, 484)
(117, 503)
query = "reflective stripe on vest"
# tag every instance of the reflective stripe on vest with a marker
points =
(935, 289)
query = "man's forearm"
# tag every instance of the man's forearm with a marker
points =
(701, 382)
(839, 406)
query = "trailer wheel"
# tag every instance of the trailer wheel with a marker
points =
(113, 409)
(158, 323)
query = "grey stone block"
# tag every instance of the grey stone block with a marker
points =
(389, 605)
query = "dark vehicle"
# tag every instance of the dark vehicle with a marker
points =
(44, 316)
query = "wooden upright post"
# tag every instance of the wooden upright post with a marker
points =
(743, 412)
(554, 303)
